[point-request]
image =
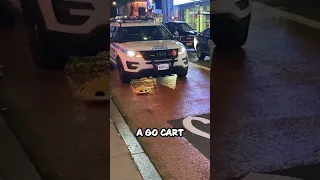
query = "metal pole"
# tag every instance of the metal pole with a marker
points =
(194, 14)
(199, 10)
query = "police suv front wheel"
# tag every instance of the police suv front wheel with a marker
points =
(182, 73)
(124, 78)
(200, 55)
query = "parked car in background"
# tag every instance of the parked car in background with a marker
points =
(182, 31)
(202, 44)
(230, 21)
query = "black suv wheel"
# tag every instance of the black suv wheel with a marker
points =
(228, 32)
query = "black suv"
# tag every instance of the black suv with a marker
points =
(183, 31)
(60, 28)
(202, 44)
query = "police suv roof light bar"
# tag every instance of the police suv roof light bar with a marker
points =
(127, 20)
(140, 19)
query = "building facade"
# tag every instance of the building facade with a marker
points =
(144, 8)
(194, 12)
(138, 7)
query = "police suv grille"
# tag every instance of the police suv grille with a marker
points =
(186, 38)
(157, 55)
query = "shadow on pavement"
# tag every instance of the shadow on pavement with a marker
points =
(229, 64)
(224, 60)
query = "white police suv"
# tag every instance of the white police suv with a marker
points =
(144, 48)
(230, 21)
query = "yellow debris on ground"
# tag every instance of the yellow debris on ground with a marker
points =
(143, 85)
(142, 90)
(95, 90)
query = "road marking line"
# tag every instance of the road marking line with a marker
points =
(145, 166)
(287, 15)
(199, 66)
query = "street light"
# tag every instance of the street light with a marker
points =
(117, 4)
(120, 5)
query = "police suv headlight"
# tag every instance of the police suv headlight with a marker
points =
(131, 53)
(182, 50)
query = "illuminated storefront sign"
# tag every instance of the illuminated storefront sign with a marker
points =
(179, 2)
(202, 12)
(150, 3)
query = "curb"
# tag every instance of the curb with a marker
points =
(199, 66)
(15, 164)
(294, 17)
(142, 161)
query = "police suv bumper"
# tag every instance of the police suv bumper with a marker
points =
(156, 73)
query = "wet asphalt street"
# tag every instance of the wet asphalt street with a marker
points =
(194, 59)
(265, 101)
(63, 137)
(171, 103)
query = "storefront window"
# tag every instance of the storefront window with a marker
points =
(204, 18)
(201, 22)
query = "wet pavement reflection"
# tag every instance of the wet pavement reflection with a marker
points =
(169, 100)
(150, 85)
(265, 99)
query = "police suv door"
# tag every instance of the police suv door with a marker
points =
(113, 50)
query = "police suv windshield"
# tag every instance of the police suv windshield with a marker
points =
(143, 33)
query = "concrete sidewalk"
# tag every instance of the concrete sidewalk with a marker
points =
(15, 164)
(122, 166)
(124, 144)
